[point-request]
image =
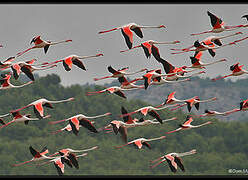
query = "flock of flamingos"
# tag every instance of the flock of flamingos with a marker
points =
(172, 74)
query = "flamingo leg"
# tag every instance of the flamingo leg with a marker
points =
(97, 79)
(21, 53)
(201, 33)
(153, 166)
(215, 79)
(56, 122)
(22, 163)
(7, 124)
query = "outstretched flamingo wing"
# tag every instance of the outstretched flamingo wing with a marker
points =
(87, 124)
(35, 153)
(123, 132)
(59, 165)
(155, 115)
(155, 53)
(112, 70)
(125, 118)
(178, 160)
(128, 35)
(27, 71)
(74, 122)
(16, 70)
(137, 31)
(171, 162)
(73, 159)
(168, 68)
(147, 47)
(146, 144)
(46, 48)
(215, 21)
(67, 63)
(120, 93)
(78, 63)
(38, 110)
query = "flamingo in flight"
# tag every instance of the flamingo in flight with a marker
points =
(5, 83)
(70, 155)
(150, 110)
(80, 119)
(39, 43)
(218, 25)
(118, 73)
(59, 162)
(150, 49)
(73, 59)
(206, 45)
(175, 73)
(196, 62)
(127, 29)
(27, 68)
(173, 159)
(141, 141)
(18, 117)
(187, 125)
(37, 156)
(194, 101)
(114, 89)
(39, 104)
(236, 71)
(214, 113)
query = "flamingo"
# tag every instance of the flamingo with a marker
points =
(118, 73)
(187, 125)
(80, 119)
(67, 128)
(150, 49)
(236, 71)
(125, 84)
(202, 46)
(73, 59)
(218, 25)
(196, 62)
(194, 101)
(5, 83)
(141, 141)
(27, 69)
(127, 29)
(214, 113)
(114, 89)
(39, 43)
(150, 110)
(68, 153)
(173, 159)
(18, 117)
(38, 106)
(37, 156)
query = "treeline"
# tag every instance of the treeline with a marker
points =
(220, 146)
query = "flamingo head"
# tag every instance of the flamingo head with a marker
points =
(162, 26)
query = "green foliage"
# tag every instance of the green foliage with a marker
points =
(220, 145)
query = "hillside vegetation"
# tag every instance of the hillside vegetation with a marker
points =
(220, 146)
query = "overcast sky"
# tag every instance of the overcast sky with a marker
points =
(82, 22)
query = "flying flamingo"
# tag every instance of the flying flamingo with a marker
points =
(141, 141)
(59, 163)
(80, 119)
(196, 62)
(150, 49)
(69, 154)
(236, 71)
(194, 101)
(218, 25)
(125, 84)
(39, 43)
(150, 110)
(187, 125)
(37, 156)
(201, 46)
(73, 59)
(5, 83)
(214, 113)
(18, 117)
(175, 73)
(127, 29)
(27, 69)
(119, 73)
(114, 89)
(38, 106)
(173, 160)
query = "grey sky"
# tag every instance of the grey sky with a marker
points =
(82, 22)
